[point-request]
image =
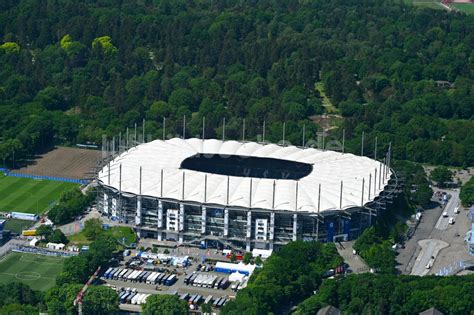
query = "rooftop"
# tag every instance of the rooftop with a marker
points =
(265, 176)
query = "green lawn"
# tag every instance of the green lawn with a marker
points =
(29, 195)
(117, 232)
(37, 271)
(432, 4)
(464, 7)
(17, 226)
(327, 104)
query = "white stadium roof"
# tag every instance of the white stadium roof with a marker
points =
(329, 169)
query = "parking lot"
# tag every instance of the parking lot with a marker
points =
(135, 278)
(436, 242)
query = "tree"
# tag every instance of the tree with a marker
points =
(206, 309)
(10, 47)
(423, 195)
(258, 260)
(58, 237)
(233, 258)
(92, 228)
(247, 258)
(165, 305)
(59, 299)
(44, 231)
(467, 193)
(18, 309)
(100, 300)
(104, 43)
(441, 175)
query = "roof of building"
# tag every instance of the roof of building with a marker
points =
(329, 310)
(431, 311)
(327, 168)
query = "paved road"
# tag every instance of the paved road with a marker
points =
(453, 202)
(412, 259)
(10, 244)
(429, 251)
(355, 262)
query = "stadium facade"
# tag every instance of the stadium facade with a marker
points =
(243, 195)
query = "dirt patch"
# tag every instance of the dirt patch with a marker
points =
(65, 162)
(327, 122)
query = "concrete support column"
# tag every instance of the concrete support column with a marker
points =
(272, 230)
(181, 222)
(160, 220)
(249, 230)
(203, 220)
(138, 216)
(226, 222)
(295, 226)
(105, 208)
(272, 226)
(160, 214)
(249, 224)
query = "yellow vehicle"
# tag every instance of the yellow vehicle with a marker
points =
(28, 232)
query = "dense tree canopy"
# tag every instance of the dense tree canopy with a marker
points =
(59, 299)
(73, 71)
(287, 277)
(100, 300)
(441, 175)
(389, 294)
(163, 304)
(467, 193)
(71, 204)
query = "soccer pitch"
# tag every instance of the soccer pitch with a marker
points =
(29, 195)
(37, 271)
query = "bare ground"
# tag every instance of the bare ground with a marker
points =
(64, 162)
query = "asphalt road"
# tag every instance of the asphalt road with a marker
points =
(429, 251)
(453, 202)
(435, 237)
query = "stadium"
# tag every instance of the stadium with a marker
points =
(243, 194)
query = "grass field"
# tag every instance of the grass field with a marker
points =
(117, 232)
(432, 4)
(29, 195)
(327, 104)
(464, 7)
(37, 271)
(17, 226)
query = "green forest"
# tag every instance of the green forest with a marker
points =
(72, 71)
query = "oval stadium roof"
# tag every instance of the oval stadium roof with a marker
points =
(329, 168)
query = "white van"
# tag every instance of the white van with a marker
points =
(451, 220)
(445, 214)
(456, 210)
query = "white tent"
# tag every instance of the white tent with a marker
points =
(34, 241)
(263, 253)
(236, 276)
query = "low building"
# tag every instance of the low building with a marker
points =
(2, 226)
(329, 310)
(55, 246)
(431, 311)
(34, 242)
(262, 253)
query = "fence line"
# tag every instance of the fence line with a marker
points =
(43, 251)
(43, 177)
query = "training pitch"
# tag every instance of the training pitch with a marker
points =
(29, 195)
(37, 271)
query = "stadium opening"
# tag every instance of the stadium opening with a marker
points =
(243, 194)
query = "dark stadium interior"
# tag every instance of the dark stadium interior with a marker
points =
(246, 166)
